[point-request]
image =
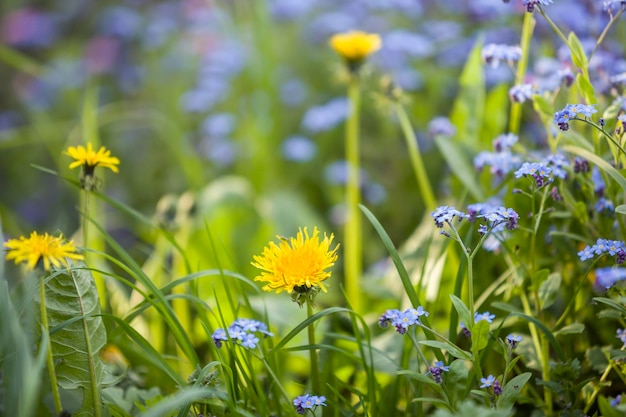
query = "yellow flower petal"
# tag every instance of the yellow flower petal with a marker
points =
(356, 45)
(296, 262)
(45, 248)
(90, 159)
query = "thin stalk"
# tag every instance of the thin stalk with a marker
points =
(516, 108)
(604, 132)
(416, 159)
(352, 237)
(315, 371)
(606, 30)
(598, 387)
(50, 357)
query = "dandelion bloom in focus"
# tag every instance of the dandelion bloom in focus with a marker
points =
(356, 45)
(90, 159)
(298, 263)
(41, 248)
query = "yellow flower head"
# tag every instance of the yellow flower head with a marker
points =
(298, 263)
(45, 248)
(356, 45)
(89, 159)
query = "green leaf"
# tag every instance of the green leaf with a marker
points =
(601, 163)
(452, 350)
(543, 106)
(606, 409)
(574, 328)
(480, 336)
(458, 159)
(621, 209)
(76, 342)
(579, 58)
(617, 306)
(462, 311)
(586, 89)
(512, 390)
(545, 330)
(421, 378)
(549, 289)
(468, 108)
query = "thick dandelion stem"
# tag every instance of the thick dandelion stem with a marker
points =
(315, 372)
(352, 236)
(50, 357)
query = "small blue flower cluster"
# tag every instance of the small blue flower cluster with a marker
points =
(491, 381)
(604, 206)
(530, 4)
(308, 402)
(242, 331)
(609, 276)
(445, 214)
(502, 161)
(402, 320)
(538, 171)
(494, 53)
(513, 340)
(615, 248)
(499, 216)
(437, 369)
(570, 112)
(621, 335)
(520, 93)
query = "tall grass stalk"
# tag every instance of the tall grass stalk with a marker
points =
(353, 230)
(315, 371)
(428, 196)
(516, 108)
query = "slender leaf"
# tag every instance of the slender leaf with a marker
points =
(452, 350)
(601, 163)
(512, 390)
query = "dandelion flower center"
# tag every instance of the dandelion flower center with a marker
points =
(45, 248)
(296, 262)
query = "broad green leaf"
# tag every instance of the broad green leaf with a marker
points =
(579, 58)
(452, 350)
(76, 342)
(463, 312)
(458, 159)
(606, 409)
(585, 88)
(601, 163)
(621, 209)
(468, 108)
(549, 289)
(617, 306)
(480, 336)
(574, 328)
(512, 390)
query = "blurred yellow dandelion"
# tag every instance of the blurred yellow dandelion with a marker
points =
(90, 159)
(299, 262)
(41, 248)
(356, 45)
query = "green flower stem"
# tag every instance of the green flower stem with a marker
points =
(352, 235)
(598, 387)
(92, 212)
(516, 108)
(315, 371)
(50, 357)
(606, 30)
(416, 159)
(604, 132)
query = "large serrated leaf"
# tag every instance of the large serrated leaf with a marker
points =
(79, 334)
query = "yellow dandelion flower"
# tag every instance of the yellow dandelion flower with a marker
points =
(356, 45)
(90, 159)
(41, 248)
(298, 263)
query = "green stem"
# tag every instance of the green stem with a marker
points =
(50, 357)
(315, 371)
(606, 30)
(604, 132)
(352, 238)
(516, 108)
(416, 159)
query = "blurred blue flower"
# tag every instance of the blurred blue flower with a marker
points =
(598, 181)
(324, 26)
(219, 125)
(220, 151)
(609, 276)
(487, 382)
(374, 193)
(326, 116)
(494, 53)
(604, 206)
(520, 93)
(500, 163)
(617, 400)
(441, 126)
(29, 28)
(557, 162)
(299, 149)
(241, 331)
(513, 340)
(621, 335)
(308, 402)
(530, 4)
(402, 320)
(505, 141)
(498, 216)
(437, 369)
(486, 316)
(293, 92)
(119, 21)
(408, 79)
(286, 10)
